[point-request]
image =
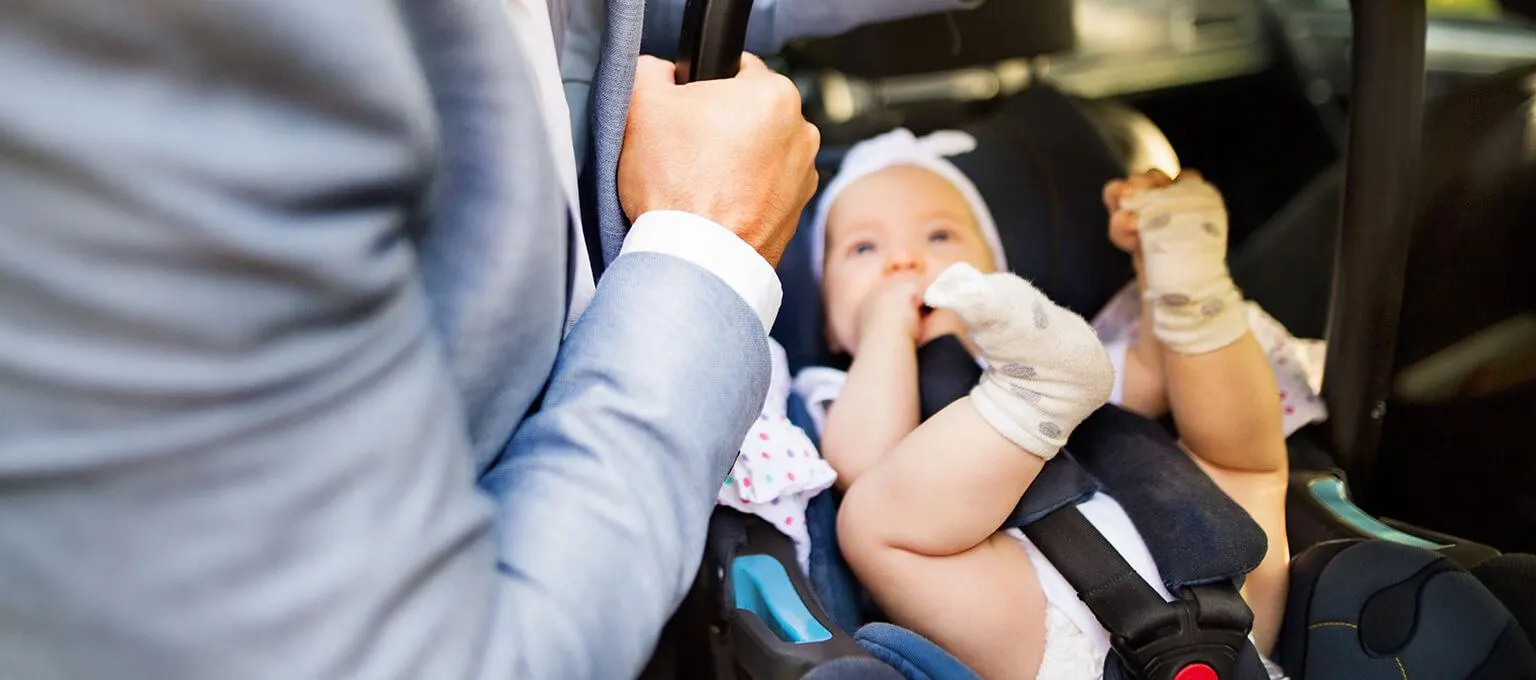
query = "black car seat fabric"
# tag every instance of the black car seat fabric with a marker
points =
(1367, 610)
(1286, 266)
(1040, 164)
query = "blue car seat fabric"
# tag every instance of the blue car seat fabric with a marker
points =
(1377, 609)
(916, 657)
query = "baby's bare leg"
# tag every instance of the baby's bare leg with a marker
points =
(920, 530)
(1221, 387)
(1227, 409)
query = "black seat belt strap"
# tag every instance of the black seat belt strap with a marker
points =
(1111, 588)
(1197, 636)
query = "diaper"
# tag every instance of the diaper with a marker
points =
(1069, 654)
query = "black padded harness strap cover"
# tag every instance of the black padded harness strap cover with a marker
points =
(1196, 533)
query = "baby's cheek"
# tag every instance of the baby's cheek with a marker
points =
(841, 320)
(983, 261)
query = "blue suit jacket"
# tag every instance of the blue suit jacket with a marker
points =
(279, 280)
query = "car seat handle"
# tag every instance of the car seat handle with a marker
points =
(713, 36)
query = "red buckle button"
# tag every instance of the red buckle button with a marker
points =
(1196, 671)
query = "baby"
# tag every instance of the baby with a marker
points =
(911, 253)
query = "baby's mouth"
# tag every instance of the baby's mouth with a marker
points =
(923, 311)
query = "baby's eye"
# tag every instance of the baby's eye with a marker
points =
(862, 248)
(941, 236)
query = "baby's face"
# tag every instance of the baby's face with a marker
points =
(901, 221)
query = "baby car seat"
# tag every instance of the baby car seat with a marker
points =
(1367, 597)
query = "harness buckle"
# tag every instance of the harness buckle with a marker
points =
(1182, 642)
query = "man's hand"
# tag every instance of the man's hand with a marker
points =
(734, 151)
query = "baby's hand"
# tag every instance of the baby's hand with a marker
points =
(1180, 233)
(1181, 241)
(892, 308)
(1122, 220)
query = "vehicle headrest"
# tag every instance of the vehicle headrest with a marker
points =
(1041, 166)
(996, 31)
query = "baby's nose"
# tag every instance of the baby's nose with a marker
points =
(904, 262)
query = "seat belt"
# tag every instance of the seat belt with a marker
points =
(1198, 636)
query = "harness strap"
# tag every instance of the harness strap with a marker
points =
(1198, 636)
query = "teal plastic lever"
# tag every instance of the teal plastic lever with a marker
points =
(1331, 493)
(762, 587)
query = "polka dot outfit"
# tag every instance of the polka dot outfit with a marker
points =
(777, 471)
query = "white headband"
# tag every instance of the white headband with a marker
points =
(900, 147)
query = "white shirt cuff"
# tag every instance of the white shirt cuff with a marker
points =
(716, 249)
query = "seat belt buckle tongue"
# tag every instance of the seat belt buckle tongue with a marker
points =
(1183, 649)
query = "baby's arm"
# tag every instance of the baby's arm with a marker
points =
(878, 405)
(1144, 387)
(1220, 386)
(921, 528)
(1144, 390)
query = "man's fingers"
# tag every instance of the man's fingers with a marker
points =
(1190, 174)
(650, 70)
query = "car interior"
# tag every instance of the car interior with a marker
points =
(1378, 161)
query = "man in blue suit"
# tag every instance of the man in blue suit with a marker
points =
(281, 280)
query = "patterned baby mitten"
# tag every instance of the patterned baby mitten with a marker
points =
(1046, 370)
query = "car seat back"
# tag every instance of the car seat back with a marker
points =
(1367, 610)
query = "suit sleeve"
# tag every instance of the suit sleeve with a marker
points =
(605, 493)
(229, 444)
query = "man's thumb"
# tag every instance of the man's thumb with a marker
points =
(652, 71)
